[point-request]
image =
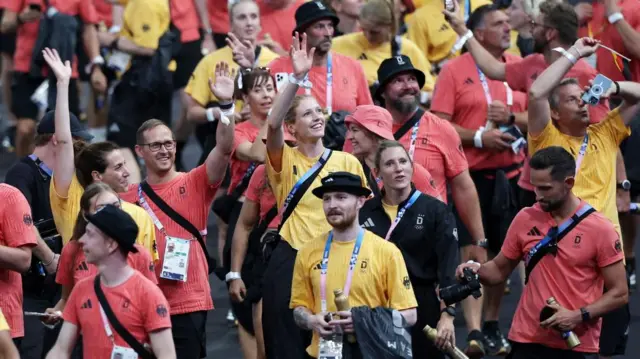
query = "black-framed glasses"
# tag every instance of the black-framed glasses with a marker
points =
(155, 146)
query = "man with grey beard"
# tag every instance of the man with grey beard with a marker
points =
(432, 142)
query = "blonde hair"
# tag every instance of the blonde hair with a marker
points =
(380, 12)
(290, 116)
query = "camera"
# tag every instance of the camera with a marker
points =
(601, 84)
(469, 285)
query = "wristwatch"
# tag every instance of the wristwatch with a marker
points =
(449, 310)
(586, 316)
(624, 185)
(231, 276)
(482, 243)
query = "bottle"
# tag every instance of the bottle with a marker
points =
(452, 350)
(569, 337)
(342, 303)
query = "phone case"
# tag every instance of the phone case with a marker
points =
(601, 85)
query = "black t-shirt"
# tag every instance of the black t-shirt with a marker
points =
(629, 149)
(34, 183)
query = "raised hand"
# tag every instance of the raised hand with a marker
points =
(300, 59)
(244, 53)
(61, 70)
(224, 85)
(455, 19)
(586, 46)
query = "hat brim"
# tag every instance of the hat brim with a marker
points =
(356, 191)
(84, 135)
(319, 16)
(419, 76)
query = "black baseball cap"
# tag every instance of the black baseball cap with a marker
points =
(342, 182)
(116, 224)
(310, 12)
(391, 67)
(47, 126)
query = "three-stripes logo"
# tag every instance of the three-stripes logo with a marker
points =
(83, 266)
(86, 305)
(534, 232)
(368, 223)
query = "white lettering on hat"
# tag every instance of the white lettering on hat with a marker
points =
(328, 180)
(400, 60)
(320, 5)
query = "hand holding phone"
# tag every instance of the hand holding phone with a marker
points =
(599, 89)
(449, 5)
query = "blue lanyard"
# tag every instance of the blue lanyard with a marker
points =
(583, 151)
(554, 232)
(401, 212)
(302, 179)
(329, 99)
(325, 265)
(467, 10)
(41, 164)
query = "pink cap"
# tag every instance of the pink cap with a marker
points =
(374, 119)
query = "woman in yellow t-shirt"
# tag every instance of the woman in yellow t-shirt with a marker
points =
(378, 41)
(8, 350)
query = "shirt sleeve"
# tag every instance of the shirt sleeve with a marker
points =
(446, 246)
(240, 136)
(20, 179)
(157, 316)
(398, 284)
(444, 99)
(198, 179)
(301, 287)
(198, 85)
(424, 182)
(609, 247)
(544, 139)
(17, 223)
(512, 246)
(64, 275)
(454, 157)
(363, 93)
(255, 184)
(516, 75)
(88, 13)
(70, 313)
(613, 127)
(144, 264)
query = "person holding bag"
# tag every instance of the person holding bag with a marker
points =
(142, 310)
(293, 173)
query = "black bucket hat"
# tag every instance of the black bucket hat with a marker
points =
(391, 67)
(310, 12)
(342, 182)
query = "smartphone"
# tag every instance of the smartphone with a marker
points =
(36, 314)
(281, 79)
(601, 85)
(449, 5)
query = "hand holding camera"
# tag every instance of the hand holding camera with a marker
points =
(469, 284)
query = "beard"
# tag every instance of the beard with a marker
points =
(344, 221)
(405, 107)
(550, 206)
(539, 45)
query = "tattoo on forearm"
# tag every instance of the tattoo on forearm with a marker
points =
(301, 317)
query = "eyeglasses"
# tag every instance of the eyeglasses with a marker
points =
(249, 70)
(155, 146)
(100, 207)
(535, 24)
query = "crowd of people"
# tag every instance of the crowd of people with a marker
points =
(369, 165)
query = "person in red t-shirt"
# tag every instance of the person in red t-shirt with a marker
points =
(136, 302)
(573, 267)
(347, 86)
(486, 114)
(24, 15)
(368, 126)
(17, 237)
(190, 195)
(278, 21)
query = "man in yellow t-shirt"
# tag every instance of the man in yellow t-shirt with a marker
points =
(433, 35)
(245, 27)
(8, 349)
(375, 271)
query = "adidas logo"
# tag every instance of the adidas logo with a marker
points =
(368, 223)
(86, 305)
(468, 81)
(534, 232)
(534, 76)
(114, 128)
(83, 266)
(362, 57)
(444, 27)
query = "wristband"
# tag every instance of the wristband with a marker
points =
(477, 138)
(463, 40)
(304, 83)
(615, 17)
(210, 115)
(232, 276)
(115, 29)
(566, 54)
(617, 88)
(226, 113)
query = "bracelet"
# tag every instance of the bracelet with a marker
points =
(615, 17)
(225, 105)
(617, 88)
(51, 261)
(566, 54)
(477, 138)
(210, 115)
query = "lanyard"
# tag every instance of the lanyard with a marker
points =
(329, 98)
(303, 179)
(583, 151)
(467, 10)
(105, 323)
(325, 264)
(154, 218)
(401, 212)
(592, 35)
(414, 137)
(555, 231)
(487, 92)
(41, 164)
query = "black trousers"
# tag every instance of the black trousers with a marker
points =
(283, 339)
(538, 351)
(428, 314)
(189, 335)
